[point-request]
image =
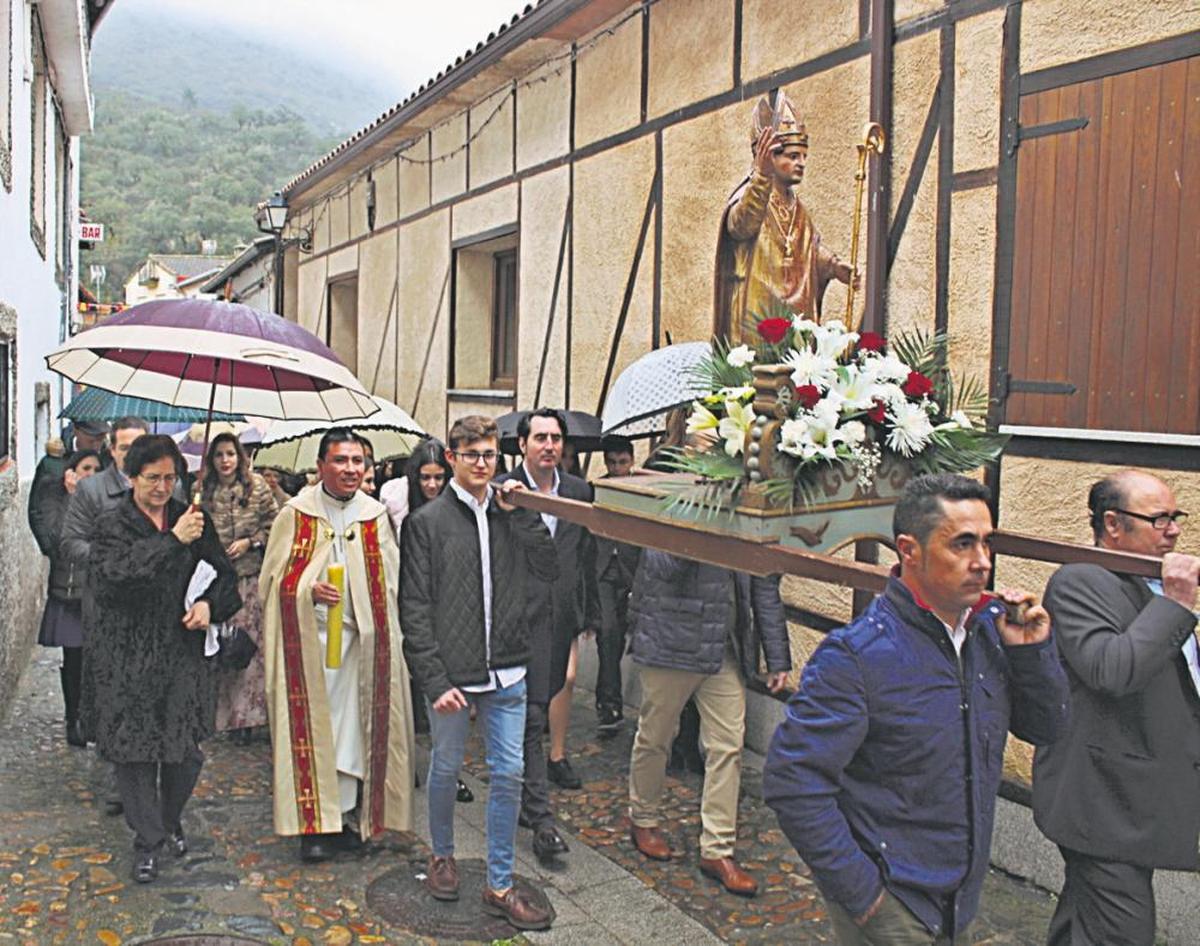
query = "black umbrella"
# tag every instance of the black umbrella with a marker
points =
(583, 430)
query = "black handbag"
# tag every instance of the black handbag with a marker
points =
(237, 648)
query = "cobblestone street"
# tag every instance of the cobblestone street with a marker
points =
(64, 865)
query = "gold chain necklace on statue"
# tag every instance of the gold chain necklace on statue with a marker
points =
(785, 223)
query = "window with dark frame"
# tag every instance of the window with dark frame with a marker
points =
(504, 319)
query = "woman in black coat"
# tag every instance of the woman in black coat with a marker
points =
(62, 621)
(154, 690)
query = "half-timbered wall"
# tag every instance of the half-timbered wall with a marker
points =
(604, 151)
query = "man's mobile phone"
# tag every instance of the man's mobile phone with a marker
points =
(1015, 613)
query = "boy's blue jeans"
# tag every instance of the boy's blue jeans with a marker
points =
(501, 713)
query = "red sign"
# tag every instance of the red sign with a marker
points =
(91, 232)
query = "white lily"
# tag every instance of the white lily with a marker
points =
(734, 425)
(886, 368)
(856, 389)
(833, 340)
(744, 393)
(911, 428)
(741, 356)
(810, 368)
(963, 421)
(701, 418)
(803, 324)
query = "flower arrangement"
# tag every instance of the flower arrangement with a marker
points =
(836, 396)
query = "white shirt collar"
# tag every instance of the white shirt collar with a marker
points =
(533, 482)
(470, 500)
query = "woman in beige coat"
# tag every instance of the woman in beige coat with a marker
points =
(242, 508)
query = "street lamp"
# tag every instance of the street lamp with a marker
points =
(272, 218)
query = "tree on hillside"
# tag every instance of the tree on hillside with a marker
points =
(164, 179)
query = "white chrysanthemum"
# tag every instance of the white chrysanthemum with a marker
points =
(886, 368)
(741, 356)
(701, 418)
(810, 368)
(734, 425)
(892, 395)
(854, 432)
(911, 429)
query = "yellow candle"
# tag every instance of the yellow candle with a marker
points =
(333, 628)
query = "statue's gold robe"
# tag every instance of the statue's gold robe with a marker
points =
(307, 752)
(753, 278)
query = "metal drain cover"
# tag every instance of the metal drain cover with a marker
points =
(400, 898)
(203, 939)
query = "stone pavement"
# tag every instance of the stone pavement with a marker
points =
(64, 865)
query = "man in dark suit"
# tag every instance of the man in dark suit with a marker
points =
(558, 612)
(1120, 791)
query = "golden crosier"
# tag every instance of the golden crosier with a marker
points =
(874, 141)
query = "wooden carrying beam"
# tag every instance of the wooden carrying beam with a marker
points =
(756, 558)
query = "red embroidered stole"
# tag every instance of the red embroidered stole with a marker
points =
(382, 683)
(304, 763)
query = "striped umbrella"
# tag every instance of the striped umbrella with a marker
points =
(95, 404)
(215, 356)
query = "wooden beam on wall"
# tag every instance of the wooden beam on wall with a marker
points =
(879, 190)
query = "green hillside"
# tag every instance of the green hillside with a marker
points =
(162, 180)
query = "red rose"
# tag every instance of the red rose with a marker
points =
(876, 414)
(917, 385)
(808, 396)
(773, 331)
(870, 341)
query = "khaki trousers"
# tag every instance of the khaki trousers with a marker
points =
(721, 701)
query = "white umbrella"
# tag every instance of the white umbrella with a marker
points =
(646, 391)
(291, 445)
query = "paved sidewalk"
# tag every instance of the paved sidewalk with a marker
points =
(64, 866)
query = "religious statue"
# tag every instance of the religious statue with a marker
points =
(769, 254)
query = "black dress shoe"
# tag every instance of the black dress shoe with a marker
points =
(609, 719)
(318, 847)
(465, 795)
(548, 843)
(75, 736)
(145, 866)
(177, 843)
(113, 806)
(561, 773)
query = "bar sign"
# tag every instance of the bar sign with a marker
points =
(91, 232)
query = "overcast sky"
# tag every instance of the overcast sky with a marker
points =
(402, 42)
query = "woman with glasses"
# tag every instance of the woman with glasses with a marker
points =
(62, 621)
(154, 690)
(242, 508)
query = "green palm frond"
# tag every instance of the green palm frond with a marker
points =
(922, 351)
(715, 372)
(957, 451)
(715, 489)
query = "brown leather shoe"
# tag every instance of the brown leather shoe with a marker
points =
(523, 908)
(731, 877)
(651, 842)
(441, 878)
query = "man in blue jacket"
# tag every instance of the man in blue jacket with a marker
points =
(885, 769)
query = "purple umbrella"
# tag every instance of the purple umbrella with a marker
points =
(214, 355)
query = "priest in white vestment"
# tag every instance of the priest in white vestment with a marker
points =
(342, 738)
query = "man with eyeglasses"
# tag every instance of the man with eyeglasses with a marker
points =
(1119, 793)
(467, 556)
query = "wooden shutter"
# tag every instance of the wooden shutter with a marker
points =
(1106, 268)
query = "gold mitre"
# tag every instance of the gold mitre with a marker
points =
(782, 117)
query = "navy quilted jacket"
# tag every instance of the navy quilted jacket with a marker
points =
(680, 616)
(885, 768)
